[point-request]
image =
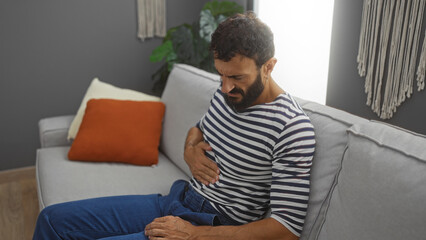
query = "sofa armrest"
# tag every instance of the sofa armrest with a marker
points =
(54, 131)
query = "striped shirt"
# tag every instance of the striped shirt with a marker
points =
(264, 155)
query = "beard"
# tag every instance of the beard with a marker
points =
(248, 98)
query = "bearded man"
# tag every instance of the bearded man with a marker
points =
(251, 153)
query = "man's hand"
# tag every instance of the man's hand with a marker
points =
(202, 168)
(170, 227)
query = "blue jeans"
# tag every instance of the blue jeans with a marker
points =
(124, 217)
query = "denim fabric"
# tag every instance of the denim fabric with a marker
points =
(197, 203)
(124, 217)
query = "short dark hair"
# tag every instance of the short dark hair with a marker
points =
(243, 34)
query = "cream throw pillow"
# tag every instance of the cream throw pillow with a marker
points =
(98, 89)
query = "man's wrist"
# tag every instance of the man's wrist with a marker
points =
(189, 144)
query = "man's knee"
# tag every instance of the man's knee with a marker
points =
(45, 229)
(47, 214)
(58, 215)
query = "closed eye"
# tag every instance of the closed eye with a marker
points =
(235, 77)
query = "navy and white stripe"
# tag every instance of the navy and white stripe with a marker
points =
(264, 155)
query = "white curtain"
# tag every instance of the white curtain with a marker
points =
(151, 18)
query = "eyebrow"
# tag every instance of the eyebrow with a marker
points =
(231, 76)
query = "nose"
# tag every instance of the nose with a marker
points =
(227, 85)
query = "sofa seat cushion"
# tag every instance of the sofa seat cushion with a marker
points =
(61, 180)
(380, 191)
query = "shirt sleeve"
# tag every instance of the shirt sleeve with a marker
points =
(292, 160)
(198, 125)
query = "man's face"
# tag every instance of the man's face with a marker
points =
(241, 82)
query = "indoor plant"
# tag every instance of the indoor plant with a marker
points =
(188, 43)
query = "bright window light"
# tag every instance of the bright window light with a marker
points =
(302, 35)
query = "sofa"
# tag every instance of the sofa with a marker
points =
(368, 179)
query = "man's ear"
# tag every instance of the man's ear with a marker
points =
(269, 66)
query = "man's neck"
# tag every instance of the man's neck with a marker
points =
(270, 93)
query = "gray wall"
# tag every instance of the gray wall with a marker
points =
(345, 88)
(50, 50)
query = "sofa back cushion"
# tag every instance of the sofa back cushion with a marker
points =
(330, 126)
(187, 97)
(380, 190)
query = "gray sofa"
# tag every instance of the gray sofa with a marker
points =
(368, 179)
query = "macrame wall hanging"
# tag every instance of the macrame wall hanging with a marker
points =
(388, 51)
(151, 18)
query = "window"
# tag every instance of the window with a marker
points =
(302, 35)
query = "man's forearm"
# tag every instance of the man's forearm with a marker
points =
(194, 137)
(264, 229)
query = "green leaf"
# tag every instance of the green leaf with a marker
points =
(220, 19)
(161, 52)
(208, 25)
(171, 56)
(183, 44)
(225, 8)
(171, 30)
(171, 60)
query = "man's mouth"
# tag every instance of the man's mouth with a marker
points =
(233, 95)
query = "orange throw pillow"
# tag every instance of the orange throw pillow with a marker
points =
(119, 131)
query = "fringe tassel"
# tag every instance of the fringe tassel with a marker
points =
(387, 54)
(421, 70)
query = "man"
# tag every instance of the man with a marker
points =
(251, 152)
